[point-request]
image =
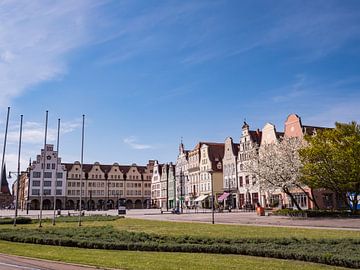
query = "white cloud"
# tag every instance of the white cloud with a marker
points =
(33, 132)
(35, 36)
(132, 142)
(293, 91)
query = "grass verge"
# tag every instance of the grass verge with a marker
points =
(229, 231)
(153, 261)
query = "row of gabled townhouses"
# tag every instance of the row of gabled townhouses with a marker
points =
(101, 185)
(188, 182)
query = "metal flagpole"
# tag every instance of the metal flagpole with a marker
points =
(5, 139)
(56, 169)
(81, 166)
(43, 171)
(18, 172)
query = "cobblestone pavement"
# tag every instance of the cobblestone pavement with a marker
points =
(235, 217)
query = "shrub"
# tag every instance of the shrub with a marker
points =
(19, 220)
(312, 213)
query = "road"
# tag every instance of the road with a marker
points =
(235, 217)
(8, 262)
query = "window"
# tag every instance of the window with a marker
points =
(47, 175)
(48, 166)
(255, 198)
(300, 198)
(53, 166)
(59, 175)
(36, 174)
(241, 181)
(36, 183)
(247, 180)
(47, 191)
(58, 192)
(47, 183)
(35, 192)
(59, 183)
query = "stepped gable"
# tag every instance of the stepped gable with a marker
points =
(105, 167)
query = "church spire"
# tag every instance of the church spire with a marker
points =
(4, 183)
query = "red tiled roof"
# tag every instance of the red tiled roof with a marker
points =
(105, 167)
(256, 136)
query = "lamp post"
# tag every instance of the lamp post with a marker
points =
(210, 171)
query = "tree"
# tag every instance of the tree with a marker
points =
(278, 166)
(331, 160)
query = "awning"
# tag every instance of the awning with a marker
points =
(223, 196)
(201, 198)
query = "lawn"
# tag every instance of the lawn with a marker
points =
(228, 231)
(316, 245)
(152, 260)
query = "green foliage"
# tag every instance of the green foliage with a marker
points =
(340, 252)
(331, 160)
(19, 220)
(312, 213)
(84, 218)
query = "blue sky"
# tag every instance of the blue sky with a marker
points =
(146, 73)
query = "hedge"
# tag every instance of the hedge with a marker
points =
(19, 220)
(338, 252)
(313, 213)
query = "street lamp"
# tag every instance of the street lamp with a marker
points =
(210, 171)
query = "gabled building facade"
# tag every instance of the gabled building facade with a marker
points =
(49, 180)
(183, 185)
(210, 173)
(230, 183)
(324, 198)
(249, 190)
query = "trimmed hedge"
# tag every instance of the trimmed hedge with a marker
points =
(313, 213)
(19, 220)
(339, 252)
(84, 218)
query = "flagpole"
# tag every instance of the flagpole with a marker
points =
(56, 168)
(18, 172)
(5, 139)
(81, 166)
(43, 171)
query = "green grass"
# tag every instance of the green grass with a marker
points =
(147, 260)
(228, 231)
(152, 260)
(202, 229)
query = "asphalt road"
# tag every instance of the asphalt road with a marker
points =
(235, 217)
(8, 262)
